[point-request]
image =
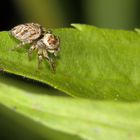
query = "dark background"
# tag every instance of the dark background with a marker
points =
(11, 15)
(117, 14)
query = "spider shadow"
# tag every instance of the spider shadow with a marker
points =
(29, 85)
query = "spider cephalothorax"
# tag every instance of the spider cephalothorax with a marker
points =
(51, 42)
(43, 41)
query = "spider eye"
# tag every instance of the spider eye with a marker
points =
(53, 41)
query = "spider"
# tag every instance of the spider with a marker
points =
(45, 42)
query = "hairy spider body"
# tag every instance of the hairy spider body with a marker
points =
(28, 32)
(43, 41)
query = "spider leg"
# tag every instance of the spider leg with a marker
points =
(50, 60)
(30, 51)
(56, 52)
(44, 30)
(40, 58)
(49, 31)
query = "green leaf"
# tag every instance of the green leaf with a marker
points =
(93, 63)
(69, 118)
(15, 123)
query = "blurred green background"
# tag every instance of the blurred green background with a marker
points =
(116, 14)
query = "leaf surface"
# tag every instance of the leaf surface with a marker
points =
(72, 118)
(93, 63)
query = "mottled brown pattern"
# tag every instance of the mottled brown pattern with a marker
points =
(52, 40)
(39, 39)
(27, 32)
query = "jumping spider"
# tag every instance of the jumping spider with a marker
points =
(45, 42)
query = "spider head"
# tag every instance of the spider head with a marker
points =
(51, 41)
